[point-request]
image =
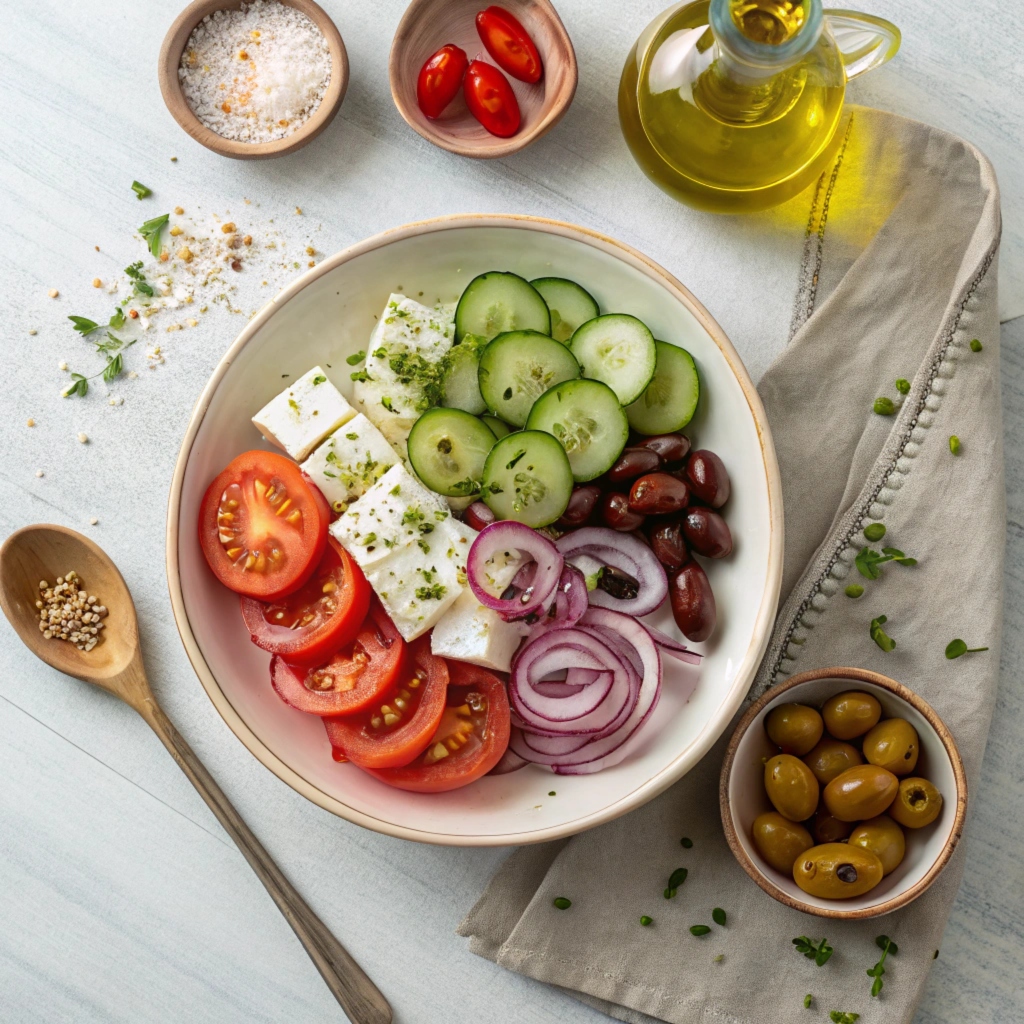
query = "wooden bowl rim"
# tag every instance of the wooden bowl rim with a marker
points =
(170, 86)
(861, 675)
(486, 149)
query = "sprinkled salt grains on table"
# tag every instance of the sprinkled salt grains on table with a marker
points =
(255, 74)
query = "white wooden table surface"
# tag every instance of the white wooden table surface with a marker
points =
(121, 898)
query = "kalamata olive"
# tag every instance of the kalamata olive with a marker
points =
(634, 462)
(707, 532)
(693, 603)
(708, 478)
(672, 448)
(668, 545)
(617, 514)
(580, 507)
(618, 583)
(657, 494)
(478, 515)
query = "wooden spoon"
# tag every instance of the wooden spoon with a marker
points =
(45, 552)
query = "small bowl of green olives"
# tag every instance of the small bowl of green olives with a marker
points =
(842, 793)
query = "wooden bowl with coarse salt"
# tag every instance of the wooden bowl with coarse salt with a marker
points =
(244, 134)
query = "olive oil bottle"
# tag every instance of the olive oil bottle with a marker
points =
(735, 105)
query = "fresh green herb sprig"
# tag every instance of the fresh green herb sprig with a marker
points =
(880, 636)
(675, 880)
(85, 326)
(151, 231)
(957, 648)
(869, 561)
(140, 190)
(819, 953)
(356, 359)
(142, 286)
(887, 946)
(80, 383)
(843, 1017)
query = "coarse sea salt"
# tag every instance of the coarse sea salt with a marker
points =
(256, 74)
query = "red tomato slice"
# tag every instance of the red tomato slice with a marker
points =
(319, 618)
(396, 730)
(263, 526)
(469, 741)
(491, 100)
(509, 44)
(440, 79)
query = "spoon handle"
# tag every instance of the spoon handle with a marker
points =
(357, 994)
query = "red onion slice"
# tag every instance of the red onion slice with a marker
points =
(510, 762)
(511, 536)
(625, 552)
(673, 647)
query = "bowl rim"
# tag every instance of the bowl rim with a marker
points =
(712, 729)
(489, 149)
(174, 98)
(860, 675)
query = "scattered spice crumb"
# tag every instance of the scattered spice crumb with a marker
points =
(228, 228)
(179, 210)
(133, 313)
(298, 211)
(310, 251)
(174, 159)
(31, 422)
(39, 472)
(62, 365)
(82, 438)
(68, 612)
(97, 283)
(53, 293)
(32, 331)
(97, 248)
(192, 322)
(93, 520)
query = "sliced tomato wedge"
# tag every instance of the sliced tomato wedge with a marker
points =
(263, 526)
(309, 625)
(397, 728)
(469, 740)
(358, 675)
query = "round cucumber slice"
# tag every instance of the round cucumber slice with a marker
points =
(499, 428)
(517, 368)
(670, 400)
(461, 380)
(448, 449)
(569, 303)
(527, 478)
(586, 418)
(496, 302)
(617, 349)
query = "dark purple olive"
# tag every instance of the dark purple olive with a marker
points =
(618, 583)
(693, 603)
(707, 532)
(671, 448)
(668, 544)
(581, 505)
(478, 515)
(708, 478)
(617, 514)
(658, 494)
(634, 462)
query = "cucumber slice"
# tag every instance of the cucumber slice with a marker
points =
(527, 478)
(448, 449)
(570, 305)
(618, 349)
(499, 428)
(586, 418)
(670, 400)
(461, 381)
(497, 302)
(517, 368)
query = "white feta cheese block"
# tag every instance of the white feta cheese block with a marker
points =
(299, 418)
(350, 462)
(396, 511)
(404, 364)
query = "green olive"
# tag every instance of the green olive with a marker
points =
(791, 787)
(779, 840)
(893, 745)
(794, 728)
(828, 828)
(837, 871)
(851, 714)
(860, 793)
(884, 838)
(917, 803)
(831, 758)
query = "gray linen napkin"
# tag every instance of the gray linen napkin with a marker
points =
(899, 285)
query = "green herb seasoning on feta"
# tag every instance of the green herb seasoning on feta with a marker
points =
(350, 462)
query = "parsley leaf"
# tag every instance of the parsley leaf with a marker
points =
(113, 368)
(151, 230)
(79, 386)
(135, 273)
(84, 325)
(819, 953)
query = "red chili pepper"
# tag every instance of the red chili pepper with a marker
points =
(440, 79)
(491, 100)
(509, 44)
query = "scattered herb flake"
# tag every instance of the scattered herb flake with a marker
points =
(819, 953)
(84, 325)
(686, 843)
(699, 929)
(151, 230)
(355, 360)
(843, 1017)
(903, 386)
(874, 531)
(957, 648)
(562, 903)
(677, 878)
(718, 916)
(884, 406)
(140, 190)
(645, 920)
(880, 636)
(854, 590)
(976, 346)
(954, 444)
(807, 1001)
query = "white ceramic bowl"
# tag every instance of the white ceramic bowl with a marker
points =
(743, 798)
(326, 315)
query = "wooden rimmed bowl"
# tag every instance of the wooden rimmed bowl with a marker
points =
(742, 795)
(427, 25)
(170, 86)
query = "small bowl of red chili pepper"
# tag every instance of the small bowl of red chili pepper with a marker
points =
(482, 81)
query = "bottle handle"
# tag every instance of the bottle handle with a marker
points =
(864, 42)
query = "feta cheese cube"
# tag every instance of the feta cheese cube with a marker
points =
(470, 632)
(299, 418)
(350, 462)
